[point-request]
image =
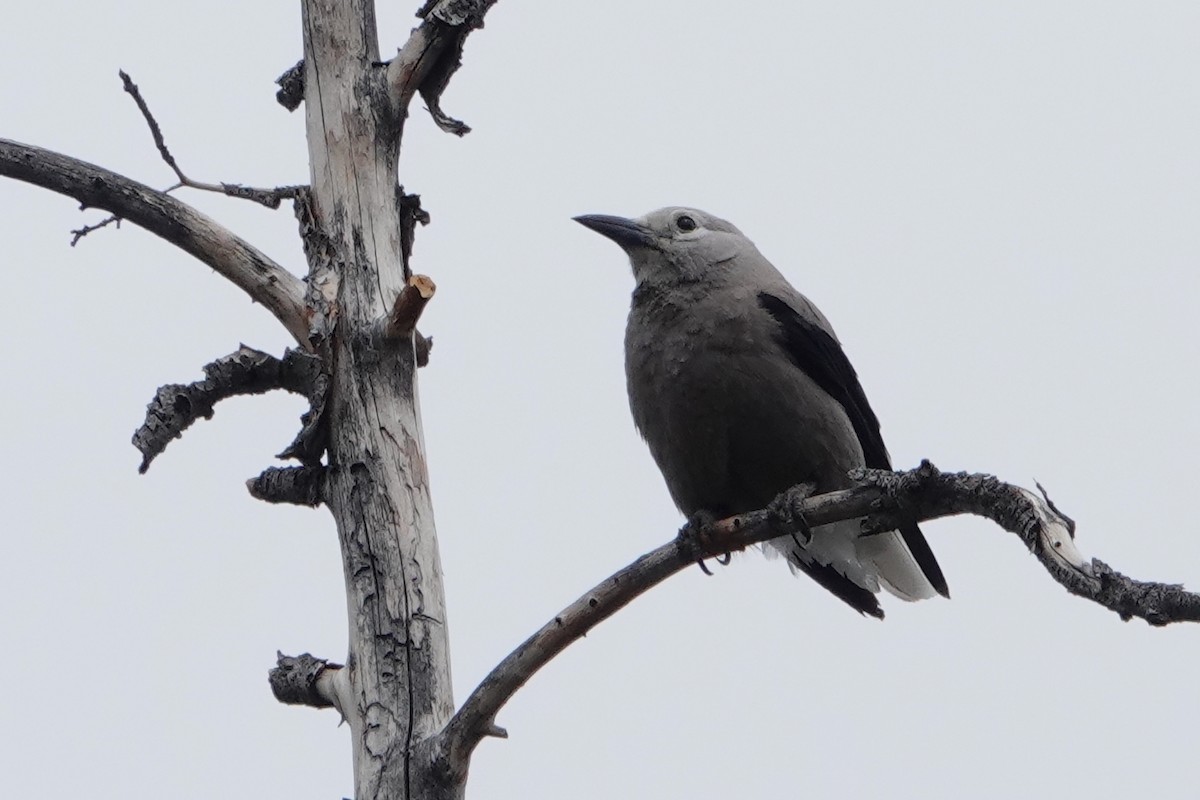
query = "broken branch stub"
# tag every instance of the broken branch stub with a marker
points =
(407, 308)
(291, 87)
(295, 680)
(300, 486)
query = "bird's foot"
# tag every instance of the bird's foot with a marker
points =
(696, 529)
(784, 512)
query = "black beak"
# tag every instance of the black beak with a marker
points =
(624, 232)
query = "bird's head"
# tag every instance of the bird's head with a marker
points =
(673, 244)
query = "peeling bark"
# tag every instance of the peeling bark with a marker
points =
(300, 486)
(358, 233)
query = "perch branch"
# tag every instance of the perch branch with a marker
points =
(235, 259)
(410, 302)
(271, 198)
(432, 54)
(247, 371)
(883, 498)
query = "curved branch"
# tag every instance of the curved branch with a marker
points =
(883, 499)
(247, 371)
(432, 54)
(250, 270)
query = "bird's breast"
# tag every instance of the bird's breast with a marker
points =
(729, 419)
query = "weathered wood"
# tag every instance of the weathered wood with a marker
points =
(402, 320)
(397, 673)
(301, 486)
(245, 371)
(303, 680)
(183, 226)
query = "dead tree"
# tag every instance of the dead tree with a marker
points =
(360, 450)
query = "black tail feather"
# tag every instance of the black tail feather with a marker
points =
(858, 598)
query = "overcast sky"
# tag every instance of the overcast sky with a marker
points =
(996, 205)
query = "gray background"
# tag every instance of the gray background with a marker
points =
(995, 204)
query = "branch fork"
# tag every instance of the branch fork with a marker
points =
(271, 198)
(248, 371)
(881, 499)
(265, 281)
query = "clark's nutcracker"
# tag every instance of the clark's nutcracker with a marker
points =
(740, 387)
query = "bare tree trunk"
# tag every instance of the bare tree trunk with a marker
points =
(354, 317)
(398, 688)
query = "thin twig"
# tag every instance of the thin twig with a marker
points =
(79, 233)
(155, 131)
(271, 198)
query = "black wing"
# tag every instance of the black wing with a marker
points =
(815, 351)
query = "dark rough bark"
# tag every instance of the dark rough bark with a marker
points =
(294, 680)
(247, 371)
(291, 87)
(301, 486)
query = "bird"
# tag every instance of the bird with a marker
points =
(741, 389)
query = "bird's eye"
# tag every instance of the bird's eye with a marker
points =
(685, 223)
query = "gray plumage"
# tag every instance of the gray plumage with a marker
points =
(741, 389)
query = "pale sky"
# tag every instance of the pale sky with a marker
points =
(994, 203)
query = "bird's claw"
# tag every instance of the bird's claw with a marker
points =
(783, 512)
(696, 528)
